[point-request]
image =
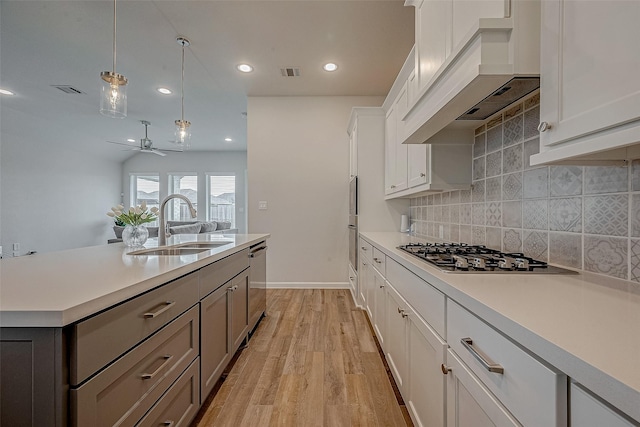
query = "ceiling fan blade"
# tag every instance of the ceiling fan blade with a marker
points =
(169, 149)
(153, 151)
(122, 143)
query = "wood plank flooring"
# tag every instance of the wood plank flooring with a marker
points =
(312, 361)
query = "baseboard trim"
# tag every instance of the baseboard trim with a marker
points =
(308, 285)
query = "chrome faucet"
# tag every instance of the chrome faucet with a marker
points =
(163, 230)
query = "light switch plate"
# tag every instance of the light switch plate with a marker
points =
(262, 205)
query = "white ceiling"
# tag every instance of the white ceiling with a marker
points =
(44, 43)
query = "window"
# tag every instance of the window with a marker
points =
(221, 198)
(145, 188)
(187, 185)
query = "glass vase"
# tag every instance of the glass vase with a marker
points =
(135, 235)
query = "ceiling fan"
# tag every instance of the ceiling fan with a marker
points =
(146, 146)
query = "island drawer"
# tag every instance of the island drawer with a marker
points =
(123, 392)
(102, 338)
(532, 392)
(379, 261)
(220, 272)
(180, 403)
(366, 249)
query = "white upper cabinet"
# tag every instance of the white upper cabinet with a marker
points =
(353, 152)
(590, 81)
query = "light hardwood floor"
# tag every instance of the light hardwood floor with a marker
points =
(312, 361)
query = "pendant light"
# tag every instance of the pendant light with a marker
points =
(113, 93)
(183, 133)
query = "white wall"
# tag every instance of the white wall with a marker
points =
(298, 162)
(200, 162)
(54, 198)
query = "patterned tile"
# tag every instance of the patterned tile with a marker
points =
(455, 232)
(565, 180)
(635, 175)
(477, 194)
(445, 213)
(454, 197)
(606, 215)
(535, 214)
(512, 240)
(513, 111)
(478, 168)
(512, 186)
(513, 131)
(437, 213)
(494, 238)
(531, 147)
(494, 139)
(531, 121)
(605, 179)
(465, 234)
(536, 183)
(479, 145)
(494, 164)
(535, 245)
(437, 199)
(478, 236)
(493, 214)
(512, 159)
(606, 255)
(533, 101)
(494, 121)
(512, 214)
(446, 197)
(454, 214)
(478, 214)
(493, 189)
(565, 249)
(634, 267)
(635, 215)
(429, 199)
(480, 130)
(465, 196)
(430, 213)
(465, 213)
(565, 214)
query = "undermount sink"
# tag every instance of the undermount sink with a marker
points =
(169, 251)
(205, 245)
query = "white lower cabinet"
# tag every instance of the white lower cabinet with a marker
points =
(469, 402)
(377, 302)
(353, 283)
(588, 411)
(396, 350)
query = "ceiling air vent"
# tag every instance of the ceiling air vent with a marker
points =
(69, 89)
(290, 71)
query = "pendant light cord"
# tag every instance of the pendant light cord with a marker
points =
(114, 36)
(182, 84)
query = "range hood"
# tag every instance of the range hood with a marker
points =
(497, 63)
(507, 94)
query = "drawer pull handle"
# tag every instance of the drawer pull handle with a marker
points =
(169, 423)
(381, 286)
(167, 358)
(168, 305)
(364, 248)
(377, 260)
(232, 288)
(445, 369)
(489, 366)
(402, 313)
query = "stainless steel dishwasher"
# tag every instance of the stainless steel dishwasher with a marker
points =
(257, 283)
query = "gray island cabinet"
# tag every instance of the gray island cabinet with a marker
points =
(152, 358)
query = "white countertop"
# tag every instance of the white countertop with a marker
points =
(585, 325)
(59, 288)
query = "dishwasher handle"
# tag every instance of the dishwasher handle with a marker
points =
(255, 252)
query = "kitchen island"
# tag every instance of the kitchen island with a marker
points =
(95, 333)
(583, 329)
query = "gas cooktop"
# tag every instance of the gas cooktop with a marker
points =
(463, 258)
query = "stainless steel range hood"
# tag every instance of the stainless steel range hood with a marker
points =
(507, 94)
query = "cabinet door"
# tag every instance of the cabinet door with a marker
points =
(426, 390)
(363, 281)
(589, 78)
(418, 166)
(240, 309)
(353, 284)
(587, 411)
(378, 306)
(390, 153)
(433, 38)
(353, 152)
(215, 348)
(397, 328)
(469, 403)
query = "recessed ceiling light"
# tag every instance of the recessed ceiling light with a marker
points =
(6, 92)
(164, 91)
(228, 139)
(131, 140)
(330, 66)
(245, 68)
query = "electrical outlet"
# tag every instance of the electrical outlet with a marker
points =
(16, 249)
(262, 205)
(0, 251)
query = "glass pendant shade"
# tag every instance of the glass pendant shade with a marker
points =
(113, 95)
(183, 133)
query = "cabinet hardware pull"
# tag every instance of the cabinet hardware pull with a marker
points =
(393, 186)
(167, 358)
(168, 305)
(351, 278)
(169, 423)
(232, 288)
(381, 286)
(364, 248)
(489, 365)
(445, 369)
(544, 126)
(422, 174)
(377, 260)
(254, 253)
(402, 313)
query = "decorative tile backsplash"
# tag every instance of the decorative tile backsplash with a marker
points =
(585, 217)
